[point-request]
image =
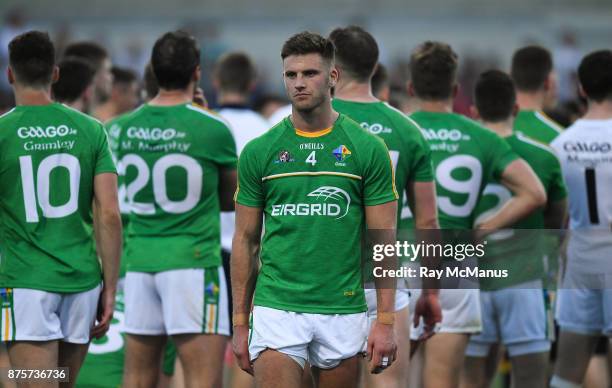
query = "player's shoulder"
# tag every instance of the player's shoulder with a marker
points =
(82, 121)
(537, 150)
(547, 122)
(200, 113)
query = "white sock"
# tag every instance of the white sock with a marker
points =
(558, 382)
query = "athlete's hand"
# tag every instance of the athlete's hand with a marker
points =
(382, 348)
(428, 307)
(240, 344)
(106, 307)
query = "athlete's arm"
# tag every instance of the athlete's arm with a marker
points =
(427, 229)
(227, 188)
(381, 342)
(107, 227)
(555, 213)
(245, 248)
(528, 192)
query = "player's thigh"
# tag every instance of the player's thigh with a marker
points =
(204, 352)
(71, 356)
(33, 354)
(194, 301)
(574, 351)
(474, 373)
(343, 375)
(273, 369)
(143, 352)
(530, 370)
(444, 356)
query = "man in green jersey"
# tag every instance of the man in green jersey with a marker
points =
(319, 178)
(465, 157)
(536, 89)
(356, 60)
(178, 166)
(514, 310)
(62, 173)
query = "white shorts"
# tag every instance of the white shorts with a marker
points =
(585, 311)
(402, 300)
(35, 315)
(182, 301)
(460, 312)
(324, 340)
(517, 317)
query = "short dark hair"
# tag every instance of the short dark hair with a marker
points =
(32, 58)
(308, 43)
(150, 82)
(92, 52)
(595, 75)
(380, 78)
(433, 69)
(235, 72)
(494, 95)
(123, 75)
(76, 75)
(356, 51)
(174, 58)
(531, 65)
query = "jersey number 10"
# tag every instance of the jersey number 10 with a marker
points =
(39, 194)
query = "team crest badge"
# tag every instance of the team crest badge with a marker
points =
(341, 153)
(284, 157)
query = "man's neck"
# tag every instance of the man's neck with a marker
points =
(502, 128)
(530, 101)
(438, 106)
(106, 111)
(351, 90)
(29, 96)
(78, 105)
(599, 110)
(172, 97)
(232, 98)
(315, 120)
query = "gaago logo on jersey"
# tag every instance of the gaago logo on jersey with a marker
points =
(49, 132)
(376, 128)
(331, 201)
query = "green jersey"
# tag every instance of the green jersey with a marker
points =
(408, 148)
(103, 365)
(113, 128)
(170, 158)
(49, 155)
(313, 188)
(537, 125)
(521, 254)
(465, 157)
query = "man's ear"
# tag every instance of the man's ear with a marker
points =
(474, 112)
(10, 76)
(55, 75)
(581, 92)
(334, 75)
(515, 110)
(197, 74)
(410, 88)
(455, 90)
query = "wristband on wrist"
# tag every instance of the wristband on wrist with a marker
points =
(240, 319)
(385, 318)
